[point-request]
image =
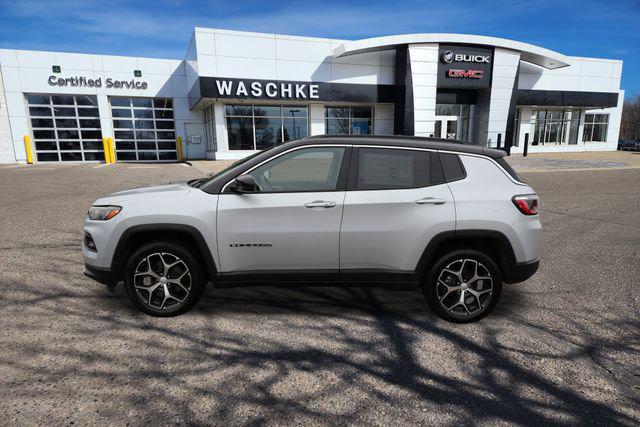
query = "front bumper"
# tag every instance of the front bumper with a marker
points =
(101, 275)
(521, 271)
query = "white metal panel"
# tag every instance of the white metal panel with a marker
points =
(300, 237)
(387, 229)
(302, 50)
(480, 206)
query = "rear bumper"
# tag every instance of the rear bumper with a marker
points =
(101, 275)
(521, 271)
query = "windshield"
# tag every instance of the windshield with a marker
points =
(196, 183)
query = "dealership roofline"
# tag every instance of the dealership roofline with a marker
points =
(534, 54)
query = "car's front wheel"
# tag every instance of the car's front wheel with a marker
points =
(163, 279)
(463, 286)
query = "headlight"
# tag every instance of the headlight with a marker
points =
(103, 213)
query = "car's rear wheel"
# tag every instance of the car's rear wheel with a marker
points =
(463, 286)
(164, 279)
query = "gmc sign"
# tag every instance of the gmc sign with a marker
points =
(464, 66)
(466, 74)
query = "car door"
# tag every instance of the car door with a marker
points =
(397, 201)
(293, 221)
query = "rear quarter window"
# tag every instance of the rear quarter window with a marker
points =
(452, 167)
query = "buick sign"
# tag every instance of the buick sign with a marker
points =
(448, 57)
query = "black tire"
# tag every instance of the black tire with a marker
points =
(152, 258)
(476, 305)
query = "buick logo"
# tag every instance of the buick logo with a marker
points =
(447, 57)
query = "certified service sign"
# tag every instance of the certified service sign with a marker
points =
(109, 83)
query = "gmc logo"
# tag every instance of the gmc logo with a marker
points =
(465, 74)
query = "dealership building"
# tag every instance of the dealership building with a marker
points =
(237, 92)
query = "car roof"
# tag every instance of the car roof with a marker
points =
(405, 141)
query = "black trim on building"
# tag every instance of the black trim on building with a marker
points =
(564, 98)
(206, 87)
(511, 115)
(403, 102)
(457, 96)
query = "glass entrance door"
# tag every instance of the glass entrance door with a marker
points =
(446, 127)
(452, 121)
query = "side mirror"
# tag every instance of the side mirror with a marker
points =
(245, 184)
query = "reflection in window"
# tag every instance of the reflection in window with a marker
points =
(256, 127)
(595, 127)
(349, 120)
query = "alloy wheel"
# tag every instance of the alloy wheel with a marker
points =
(464, 288)
(162, 281)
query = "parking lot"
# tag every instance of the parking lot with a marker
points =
(563, 347)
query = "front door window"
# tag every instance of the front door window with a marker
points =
(308, 169)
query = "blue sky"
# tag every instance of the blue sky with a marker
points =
(162, 28)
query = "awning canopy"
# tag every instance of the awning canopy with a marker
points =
(534, 54)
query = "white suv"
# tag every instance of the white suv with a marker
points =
(453, 218)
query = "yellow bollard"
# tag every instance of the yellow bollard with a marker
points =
(107, 151)
(112, 150)
(27, 149)
(179, 148)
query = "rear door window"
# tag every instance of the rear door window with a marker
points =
(388, 168)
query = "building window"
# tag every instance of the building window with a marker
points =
(256, 127)
(595, 127)
(66, 128)
(144, 129)
(210, 128)
(555, 127)
(349, 120)
(516, 128)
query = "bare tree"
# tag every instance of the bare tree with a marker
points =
(630, 126)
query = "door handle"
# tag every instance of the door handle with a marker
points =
(430, 201)
(320, 204)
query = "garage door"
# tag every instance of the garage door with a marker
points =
(144, 129)
(65, 128)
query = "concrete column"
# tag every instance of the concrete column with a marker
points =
(222, 138)
(581, 127)
(615, 117)
(7, 154)
(383, 119)
(316, 119)
(505, 69)
(105, 116)
(424, 75)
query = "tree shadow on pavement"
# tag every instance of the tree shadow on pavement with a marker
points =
(282, 354)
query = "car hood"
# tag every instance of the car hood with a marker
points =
(159, 191)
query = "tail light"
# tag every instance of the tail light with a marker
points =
(526, 203)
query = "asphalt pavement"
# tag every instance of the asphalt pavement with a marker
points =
(563, 347)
